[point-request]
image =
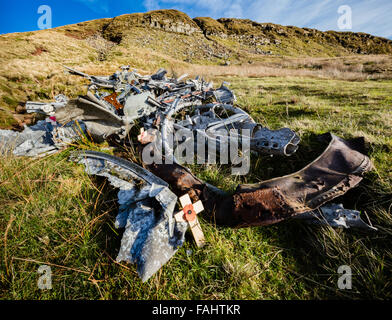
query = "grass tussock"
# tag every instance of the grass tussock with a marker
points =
(352, 69)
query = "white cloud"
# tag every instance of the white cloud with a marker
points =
(234, 10)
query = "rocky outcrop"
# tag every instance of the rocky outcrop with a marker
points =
(171, 23)
(255, 37)
(166, 20)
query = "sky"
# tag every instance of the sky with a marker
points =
(370, 16)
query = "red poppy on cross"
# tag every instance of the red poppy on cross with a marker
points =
(189, 214)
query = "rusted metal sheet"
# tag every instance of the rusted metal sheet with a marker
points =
(339, 168)
(112, 99)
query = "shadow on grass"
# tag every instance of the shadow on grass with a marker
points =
(311, 247)
(108, 238)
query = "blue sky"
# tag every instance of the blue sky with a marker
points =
(371, 16)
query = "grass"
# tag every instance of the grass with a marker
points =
(52, 213)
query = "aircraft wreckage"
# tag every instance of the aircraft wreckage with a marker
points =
(148, 195)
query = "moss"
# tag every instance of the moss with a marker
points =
(10, 101)
(6, 121)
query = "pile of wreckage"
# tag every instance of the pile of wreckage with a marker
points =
(148, 195)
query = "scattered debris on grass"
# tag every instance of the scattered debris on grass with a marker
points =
(147, 197)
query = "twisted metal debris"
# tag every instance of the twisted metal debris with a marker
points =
(157, 100)
(151, 235)
(43, 138)
(162, 105)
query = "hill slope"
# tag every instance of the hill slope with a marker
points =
(31, 63)
(234, 38)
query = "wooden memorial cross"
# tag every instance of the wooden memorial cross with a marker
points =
(189, 214)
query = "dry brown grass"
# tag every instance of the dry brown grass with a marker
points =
(343, 68)
(31, 64)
